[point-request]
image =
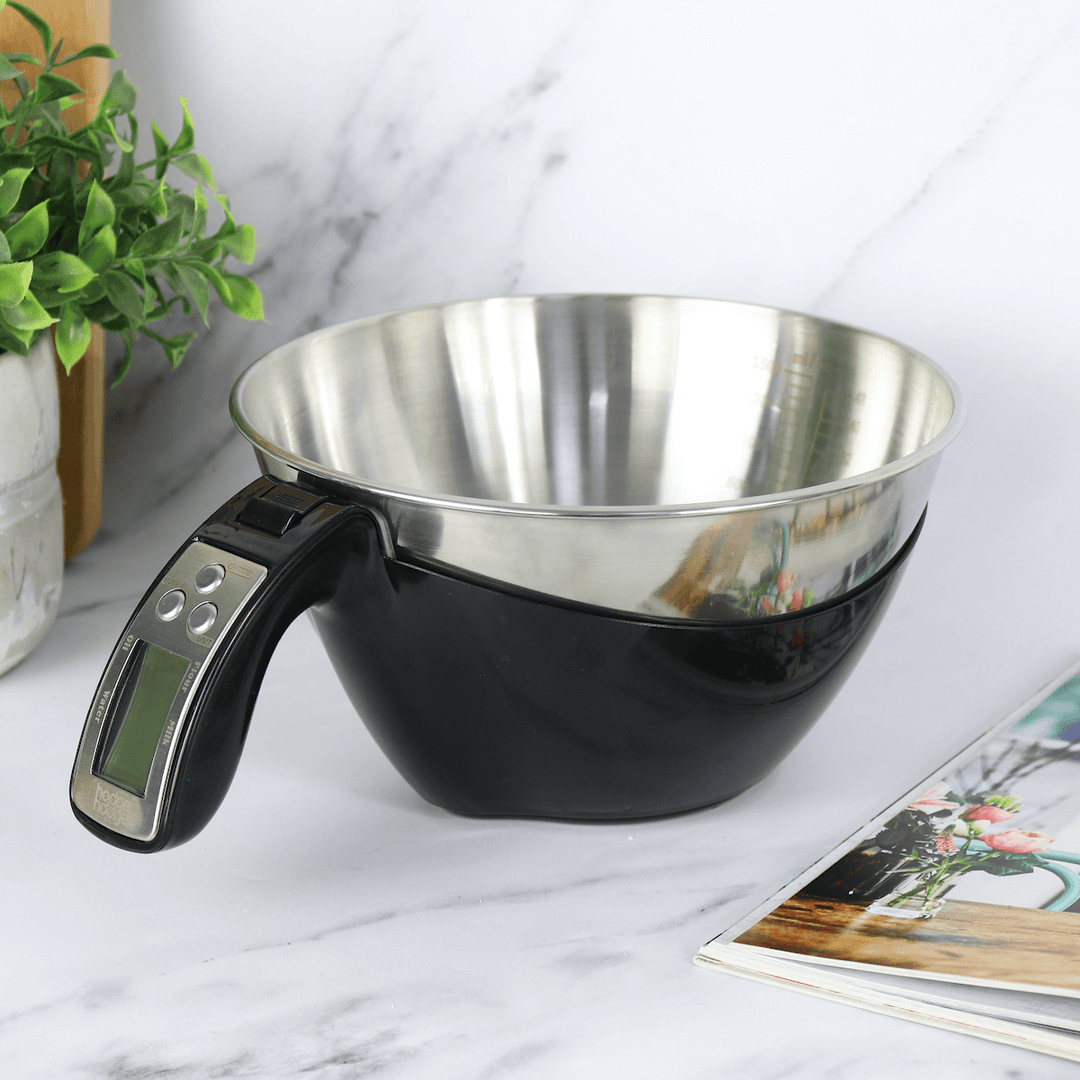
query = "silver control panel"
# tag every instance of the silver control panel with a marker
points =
(184, 618)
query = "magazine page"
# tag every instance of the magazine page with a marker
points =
(972, 879)
(1031, 1008)
(882, 994)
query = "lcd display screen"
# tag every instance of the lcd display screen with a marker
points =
(142, 702)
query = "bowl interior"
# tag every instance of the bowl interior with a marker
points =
(595, 401)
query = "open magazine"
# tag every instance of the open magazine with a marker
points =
(959, 905)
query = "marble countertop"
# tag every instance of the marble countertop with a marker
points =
(914, 170)
(329, 923)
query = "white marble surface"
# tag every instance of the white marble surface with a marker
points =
(911, 168)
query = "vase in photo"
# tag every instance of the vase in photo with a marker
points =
(921, 896)
(867, 873)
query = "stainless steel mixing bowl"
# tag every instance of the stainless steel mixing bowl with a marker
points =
(648, 454)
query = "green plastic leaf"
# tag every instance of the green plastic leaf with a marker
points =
(241, 244)
(28, 314)
(128, 336)
(29, 233)
(46, 116)
(161, 305)
(38, 23)
(103, 52)
(11, 185)
(7, 69)
(22, 58)
(197, 167)
(83, 147)
(14, 281)
(155, 203)
(240, 294)
(99, 211)
(198, 220)
(124, 145)
(161, 151)
(207, 251)
(197, 287)
(155, 288)
(62, 271)
(119, 96)
(228, 226)
(170, 272)
(93, 292)
(134, 267)
(127, 198)
(100, 253)
(120, 289)
(72, 335)
(16, 341)
(179, 203)
(106, 316)
(159, 241)
(124, 175)
(52, 87)
(186, 139)
(159, 311)
(174, 347)
(5, 251)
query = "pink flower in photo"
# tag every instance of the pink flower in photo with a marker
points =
(1018, 841)
(785, 581)
(945, 845)
(766, 605)
(932, 802)
(992, 814)
(797, 600)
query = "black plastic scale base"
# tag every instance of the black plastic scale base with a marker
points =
(492, 702)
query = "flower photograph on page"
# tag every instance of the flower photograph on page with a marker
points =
(978, 876)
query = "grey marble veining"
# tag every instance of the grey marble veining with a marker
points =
(911, 169)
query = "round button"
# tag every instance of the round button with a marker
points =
(209, 578)
(202, 618)
(170, 605)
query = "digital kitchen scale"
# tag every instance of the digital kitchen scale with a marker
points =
(168, 720)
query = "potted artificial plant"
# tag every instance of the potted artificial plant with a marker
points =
(88, 234)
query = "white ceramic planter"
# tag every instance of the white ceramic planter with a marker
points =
(31, 527)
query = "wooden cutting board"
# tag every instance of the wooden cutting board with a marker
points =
(82, 393)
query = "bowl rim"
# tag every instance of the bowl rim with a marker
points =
(833, 488)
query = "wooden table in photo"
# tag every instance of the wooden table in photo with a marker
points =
(984, 941)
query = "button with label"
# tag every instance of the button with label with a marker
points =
(202, 618)
(170, 605)
(209, 578)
